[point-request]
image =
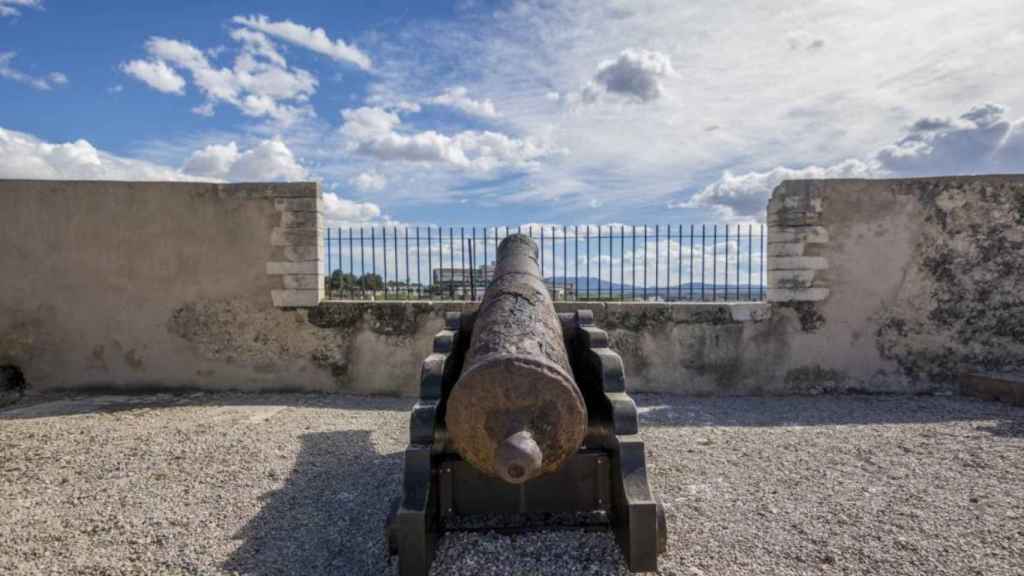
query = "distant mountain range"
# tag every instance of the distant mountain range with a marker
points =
(593, 286)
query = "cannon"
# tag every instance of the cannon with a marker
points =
(523, 412)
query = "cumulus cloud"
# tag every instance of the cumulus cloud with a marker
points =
(266, 161)
(746, 195)
(369, 181)
(260, 83)
(25, 156)
(156, 74)
(13, 7)
(458, 98)
(314, 39)
(339, 210)
(974, 142)
(980, 140)
(375, 132)
(636, 75)
(46, 82)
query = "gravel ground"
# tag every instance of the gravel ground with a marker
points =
(299, 484)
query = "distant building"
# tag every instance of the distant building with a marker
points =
(461, 281)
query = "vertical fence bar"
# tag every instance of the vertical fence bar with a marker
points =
(588, 261)
(714, 263)
(692, 277)
(373, 257)
(451, 263)
(679, 263)
(362, 261)
(645, 262)
(430, 261)
(622, 262)
(419, 267)
(727, 262)
(632, 295)
(703, 251)
(739, 250)
(351, 263)
(576, 256)
(328, 263)
(750, 261)
(761, 282)
(384, 239)
(394, 240)
(657, 259)
(565, 262)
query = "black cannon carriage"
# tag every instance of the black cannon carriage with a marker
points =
(523, 411)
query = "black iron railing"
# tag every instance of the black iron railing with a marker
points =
(704, 262)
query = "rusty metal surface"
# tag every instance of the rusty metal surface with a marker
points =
(517, 376)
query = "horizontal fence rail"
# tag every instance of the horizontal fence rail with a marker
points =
(703, 263)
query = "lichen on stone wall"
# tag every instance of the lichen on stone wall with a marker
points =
(970, 255)
(269, 339)
(811, 319)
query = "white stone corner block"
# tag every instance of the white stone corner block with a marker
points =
(278, 268)
(801, 295)
(295, 298)
(302, 281)
(797, 263)
(805, 234)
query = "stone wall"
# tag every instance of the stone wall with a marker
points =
(898, 285)
(100, 280)
(875, 286)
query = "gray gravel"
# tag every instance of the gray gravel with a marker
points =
(299, 484)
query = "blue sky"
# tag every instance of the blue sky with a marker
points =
(513, 112)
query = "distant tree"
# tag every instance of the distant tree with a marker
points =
(371, 282)
(341, 281)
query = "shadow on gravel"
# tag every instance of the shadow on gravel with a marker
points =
(329, 516)
(826, 410)
(89, 403)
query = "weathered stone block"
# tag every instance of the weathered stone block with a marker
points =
(302, 281)
(792, 279)
(798, 263)
(294, 219)
(802, 295)
(295, 237)
(298, 204)
(276, 268)
(301, 253)
(295, 298)
(785, 249)
(805, 234)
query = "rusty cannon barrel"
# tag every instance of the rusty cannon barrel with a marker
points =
(516, 412)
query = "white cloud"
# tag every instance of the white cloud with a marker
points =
(266, 161)
(373, 132)
(260, 83)
(339, 211)
(458, 98)
(13, 7)
(25, 156)
(740, 196)
(971, 143)
(635, 74)
(156, 74)
(314, 39)
(46, 82)
(369, 181)
(979, 141)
